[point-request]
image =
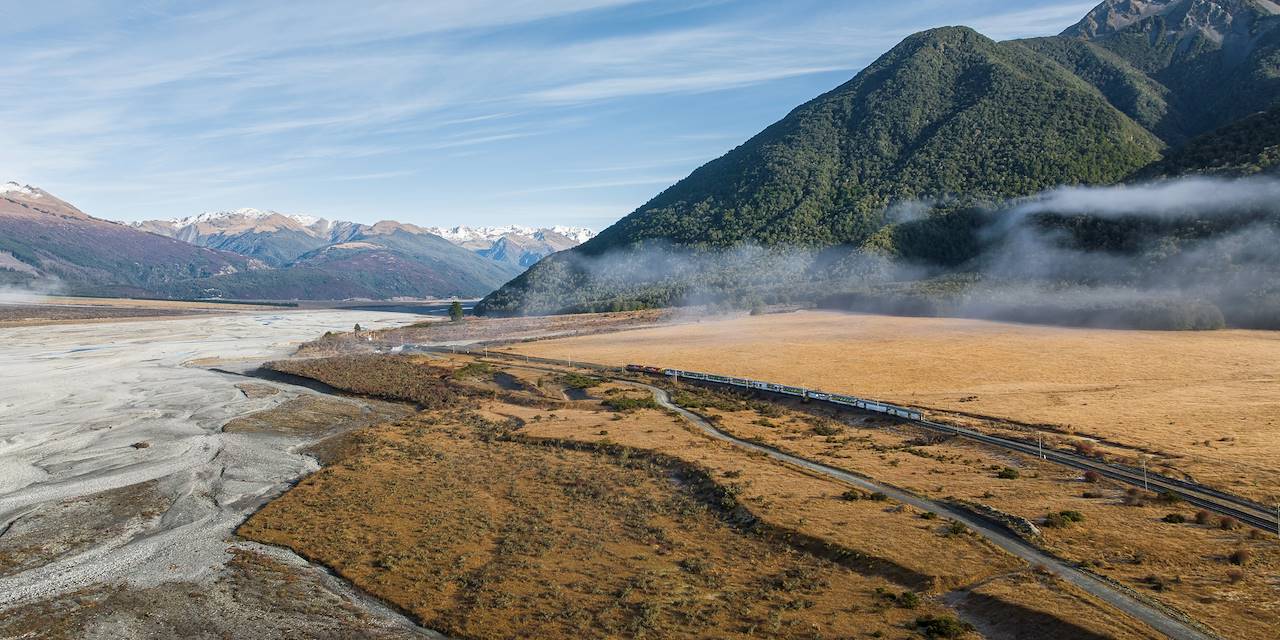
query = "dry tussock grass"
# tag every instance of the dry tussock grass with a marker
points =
(472, 522)
(1203, 402)
(482, 538)
(1123, 534)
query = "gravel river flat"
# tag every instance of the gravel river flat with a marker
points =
(133, 409)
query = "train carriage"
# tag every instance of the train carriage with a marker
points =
(848, 401)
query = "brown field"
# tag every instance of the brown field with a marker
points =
(441, 331)
(1123, 537)
(491, 524)
(43, 310)
(1204, 404)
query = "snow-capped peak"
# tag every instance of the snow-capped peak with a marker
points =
(19, 189)
(578, 234)
(460, 234)
(215, 217)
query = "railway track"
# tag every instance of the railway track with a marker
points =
(1245, 511)
(1220, 502)
(1170, 623)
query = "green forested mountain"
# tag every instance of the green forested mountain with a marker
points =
(1248, 146)
(946, 112)
(1211, 61)
(947, 116)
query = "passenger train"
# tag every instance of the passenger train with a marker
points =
(821, 396)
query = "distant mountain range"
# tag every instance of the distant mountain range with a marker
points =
(47, 243)
(947, 119)
(278, 238)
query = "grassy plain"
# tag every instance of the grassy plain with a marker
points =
(1122, 535)
(509, 510)
(1203, 404)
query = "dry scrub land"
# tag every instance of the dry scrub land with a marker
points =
(64, 310)
(1226, 578)
(1203, 404)
(440, 331)
(507, 509)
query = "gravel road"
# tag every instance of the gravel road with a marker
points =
(1152, 616)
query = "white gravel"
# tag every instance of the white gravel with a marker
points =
(74, 398)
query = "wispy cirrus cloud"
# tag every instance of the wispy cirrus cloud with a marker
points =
(454, 109)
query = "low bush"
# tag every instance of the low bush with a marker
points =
(1062, 519)
(909, 600)
(827, 429)
(942, 627)
(1157, 583)
(851, 495)
(1175, 518)
(1240, 557)
(1203, 516)
(1008, 473)
(579, 381)
(906, 599)
(1092, 476)
(1228, 523)
(1235, 575)
(626, 404)
(473, 370)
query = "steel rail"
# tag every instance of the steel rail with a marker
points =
(1223, 503)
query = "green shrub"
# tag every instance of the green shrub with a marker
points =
(827, 429)
(942, 627)
(1062, 519)
(909, 600)
(624, 403)
(579, 381)
(473, 370)
(1175, 518)
(1008, 473)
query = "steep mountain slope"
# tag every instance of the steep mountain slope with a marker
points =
(1246, 147)
(1179, 67)
(947, 112)
(49, 243)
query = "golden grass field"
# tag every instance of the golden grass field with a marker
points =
(1206, 404)
(475, 520)
(1184, 565)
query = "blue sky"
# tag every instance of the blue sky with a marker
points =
(432, 112)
